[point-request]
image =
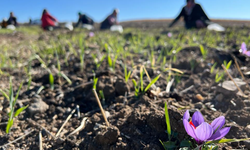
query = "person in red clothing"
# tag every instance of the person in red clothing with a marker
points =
(48, 22)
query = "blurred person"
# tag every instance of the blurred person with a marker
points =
(4, 23)
(12, 20)
(194, 16)
(110, 20)
(48, 22)
(84, 19)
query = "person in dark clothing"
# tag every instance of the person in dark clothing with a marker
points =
(84, 19)
(12, 20)
(193, 14)
(110, 20)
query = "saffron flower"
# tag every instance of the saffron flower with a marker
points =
(202, 131)
(244, 50)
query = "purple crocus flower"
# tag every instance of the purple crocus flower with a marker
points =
(91, 34)
(170, 34)
(201, 131)
(244, 50)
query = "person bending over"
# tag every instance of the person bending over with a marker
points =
(84, 19)
(110, 20)
(193, 14)
(48, 21)
(12, 20)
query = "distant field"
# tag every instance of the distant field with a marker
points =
(165, 22)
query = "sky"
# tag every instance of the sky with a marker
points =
(66, 10)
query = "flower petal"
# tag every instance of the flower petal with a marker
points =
(186, 115)
(243, 46)
(219, 134)
(189, 129)
(197, 118)
(218, 123)
(204, 131)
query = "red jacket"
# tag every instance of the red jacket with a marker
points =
(48, 20)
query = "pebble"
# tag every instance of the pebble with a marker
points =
(54, 129)
(247, 102)
(199, 97)
(198, 105)
(247, 109)
(38, 106)
(247, 144)
(228, 88)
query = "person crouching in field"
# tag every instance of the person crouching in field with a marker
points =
(12, 20)
(48, 22)
(84, 19)
(110, 20)
(194, 16)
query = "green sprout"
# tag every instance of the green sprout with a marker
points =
(220, 76)
(203, 52)
(12, 102)
(94, 81)
(126, 73)
(139, 87)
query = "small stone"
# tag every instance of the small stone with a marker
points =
(199, 97)
(107, 114)
(208, 104)
(68, 110)
(228, 88)
(247, 128)
(54, 129)
(198, 105)
(38, 106)
(247, 109)
(219, 97)
(247, 102)
(247, 144)
(60, 109)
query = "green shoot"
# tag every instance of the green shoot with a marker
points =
(94, 82)
(203, 52)
(219, 77)
(213, 67)
(13, 101)
(126, 73)
(168, 121)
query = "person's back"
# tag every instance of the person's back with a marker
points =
(47, 20)
(12, 20)
(110, 20)
(84, 19)
(193, 14)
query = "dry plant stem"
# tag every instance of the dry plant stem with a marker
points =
(238, 67)
(70, 115)
(82, 126)
(40, 141)
(100, 106)
(146, 73)
(17, 139)
(232, 79)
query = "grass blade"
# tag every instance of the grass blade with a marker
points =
(20, 110)
(226, 141)
(167, 121)
(152, 82)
